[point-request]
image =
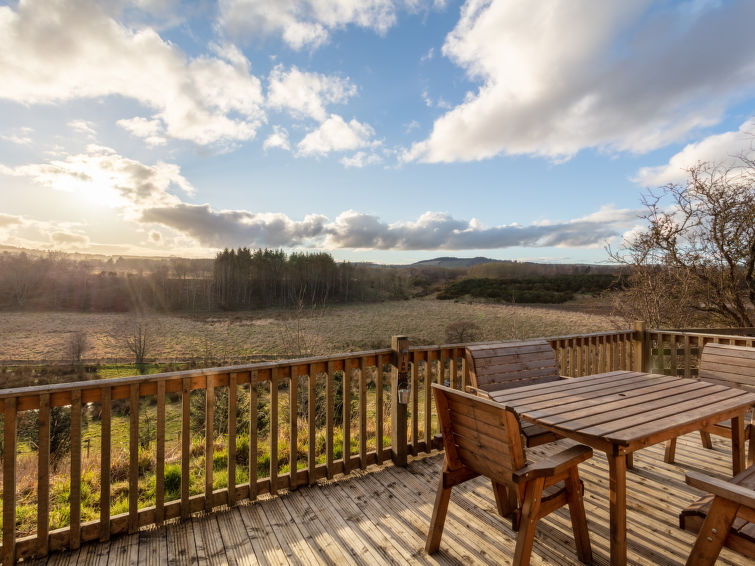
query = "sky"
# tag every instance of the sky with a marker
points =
(389, 131)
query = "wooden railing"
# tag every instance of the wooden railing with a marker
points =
(675, 352)
(341, 410)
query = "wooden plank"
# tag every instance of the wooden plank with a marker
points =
(311, 422)
(414, 394)
(274, 431)
(43, 474)
(160, 456)
(293, 430)
(232, 404)
(209, 442)
(75, 469)
(133, 472)
(9, 481)
(428, 380)
(105, 447)
(346, 420)
(253, 435)
(185, 446)
(316, 529)
(363, 413)
(329, 421)
(379, 408)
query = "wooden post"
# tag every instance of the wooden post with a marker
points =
(640, 353)
(399, 380)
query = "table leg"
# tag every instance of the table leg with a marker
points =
(617, 467)
(738, 444)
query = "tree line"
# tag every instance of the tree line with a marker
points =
(235, 279)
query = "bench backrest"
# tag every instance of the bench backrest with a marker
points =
(479, 434)
(503, 365)
(728, 365)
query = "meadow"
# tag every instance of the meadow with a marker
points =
(294, 332)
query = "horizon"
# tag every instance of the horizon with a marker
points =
(381, 131)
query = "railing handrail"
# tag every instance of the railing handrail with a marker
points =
(197, 372)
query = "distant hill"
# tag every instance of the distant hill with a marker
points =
(453, 262)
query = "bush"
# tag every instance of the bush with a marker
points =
(172, 481)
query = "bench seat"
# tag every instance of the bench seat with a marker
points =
(506, 365)
(733, 366)
(734, 496)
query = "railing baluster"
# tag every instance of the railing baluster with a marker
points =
(185, 446)
(293, 413)
(687, 358)
(414, 381)
(454, 371)
(346, 417)
(573, 358)
(253, 380)
(160, 455)
(43, 475)
(428, 401)
(75, 468)
(209, 440)
(105, 440)
(674, 370)
(274, 430)
(133, 472)
(329, 421)
(464, 372)
(9, 481)
(232, 402)
(379, 408)
(363, 413)
(311, 422)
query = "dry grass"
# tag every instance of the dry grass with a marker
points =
(44, 336)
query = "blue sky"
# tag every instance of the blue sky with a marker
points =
(378, 130)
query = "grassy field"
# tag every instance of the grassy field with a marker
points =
(44, 336)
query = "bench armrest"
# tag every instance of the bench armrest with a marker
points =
(722, 488)
(478, 392)
(554, 464)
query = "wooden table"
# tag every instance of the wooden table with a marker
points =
(622, 411)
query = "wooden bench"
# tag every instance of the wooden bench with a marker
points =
(733, 366)
(724, 517)
(482, 437)
(504, 365)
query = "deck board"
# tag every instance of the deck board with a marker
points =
(381, 516)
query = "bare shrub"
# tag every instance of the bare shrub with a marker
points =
(462, 331)
(142, 337)
(77, 345)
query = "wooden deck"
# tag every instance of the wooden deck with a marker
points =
(382, 516)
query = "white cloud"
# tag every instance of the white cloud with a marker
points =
(556, 77)
(32, 233)
(69, 49)
(335, 134)
(719, 148)
(109, 179)
(144, 128)
(18, 136)
(83, 127)
(235, 227)
(8, 220)
(279, 139)
(361, 159)
(306, 94)
(305, 23)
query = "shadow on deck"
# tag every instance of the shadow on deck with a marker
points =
(382, 516)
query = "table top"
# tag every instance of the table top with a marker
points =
(625, 410)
